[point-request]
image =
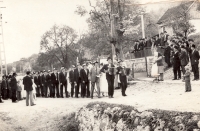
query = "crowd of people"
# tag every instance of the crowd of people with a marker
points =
(84, 80)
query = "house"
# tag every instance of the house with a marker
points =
(190, 8)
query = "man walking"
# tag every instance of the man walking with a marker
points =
(109, 70)
(29, 89)
(94, 75)
(195, 63)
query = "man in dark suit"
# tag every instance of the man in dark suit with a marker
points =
(167, 53)
(110, 76)
(84, 73)
(43, 83)
(27, 82)
(36, 81)
(54, 83)
(195, 62)
(77, 79)
(183, 58)
(157, 41)
(121, 70)
(176, 64)
(49, 87)
(71, 80)
(63, 82)
(13, 84)
(40, 84)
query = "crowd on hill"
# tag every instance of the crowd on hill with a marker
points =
(84, 80)
(178, 52)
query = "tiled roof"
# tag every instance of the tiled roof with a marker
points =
(175, 12)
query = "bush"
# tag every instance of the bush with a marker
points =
(69, 123)
(171, 120)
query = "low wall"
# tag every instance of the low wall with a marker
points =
(111, 117)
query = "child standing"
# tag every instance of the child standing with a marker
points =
(187, 79)
(19, 90)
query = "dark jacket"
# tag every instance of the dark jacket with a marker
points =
(54, 78)
(176, 60)
(76, 75)
(27, 82)
(71, 76)
(48, 78)
(160, 62)
(194, 57)
(157, 43)
(13, 83)
(110, 71)
(36, 81)
(40, 80)
(3, 84)
(183, 58)
(62, 78)
(84, 75)
(148, 43)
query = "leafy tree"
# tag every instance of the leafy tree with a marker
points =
(59, 43)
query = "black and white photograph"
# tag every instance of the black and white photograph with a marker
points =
(99, 65)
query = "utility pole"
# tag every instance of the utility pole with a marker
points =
(2, 48)
(142, 20)
(113, 39)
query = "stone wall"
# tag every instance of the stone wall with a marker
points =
(111, 117)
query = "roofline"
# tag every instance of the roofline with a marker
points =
(191, 5)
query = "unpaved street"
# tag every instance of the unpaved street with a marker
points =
(49, 112)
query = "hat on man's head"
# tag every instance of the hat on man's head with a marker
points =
(14, 74)
(182, 46)
(44, 71)
(73, 66)
(109, 58)
(176, 47)
(49, 70)
(62, 68)
(193, 46)
(54, 69)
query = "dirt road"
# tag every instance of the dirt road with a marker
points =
(48, 112)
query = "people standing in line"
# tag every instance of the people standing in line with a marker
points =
(95, 79)
(13, 84)
(77, 78)
(176, 64)
(71, 80)
(121, 70)
(187, 79)
(4, 88)
(84, 73)
(27, 82)
(195, 62)
(36, 81)
(55, 83)
(110, 76)
(183, 59)
(63, 82)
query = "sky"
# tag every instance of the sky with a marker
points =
(25, 21)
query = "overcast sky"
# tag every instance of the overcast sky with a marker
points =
(28, 20)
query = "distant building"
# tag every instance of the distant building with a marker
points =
(192, 9)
